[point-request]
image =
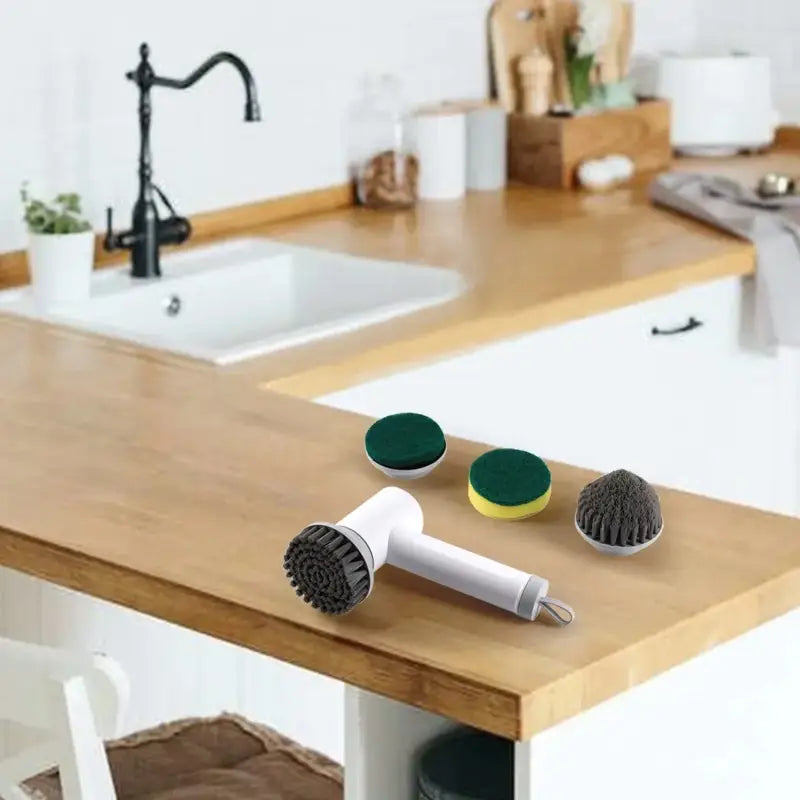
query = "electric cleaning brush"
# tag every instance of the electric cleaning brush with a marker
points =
(333, 566)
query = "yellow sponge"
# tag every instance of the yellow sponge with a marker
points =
(509, 484)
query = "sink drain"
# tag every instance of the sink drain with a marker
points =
(172, 305)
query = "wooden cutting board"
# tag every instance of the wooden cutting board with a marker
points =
(518, 26)
(610, 58)
(515, 28)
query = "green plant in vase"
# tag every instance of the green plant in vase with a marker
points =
(63, 215)
(60, 250)
(582, 43)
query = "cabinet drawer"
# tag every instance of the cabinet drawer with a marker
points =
(695, 410)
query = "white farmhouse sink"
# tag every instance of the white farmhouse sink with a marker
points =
(246, 297)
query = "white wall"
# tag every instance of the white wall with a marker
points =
(69, 116)
(770, 28)
(665, 25)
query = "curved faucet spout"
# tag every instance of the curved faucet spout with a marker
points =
(252, 112)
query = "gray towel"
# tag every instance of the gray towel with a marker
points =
(773, 226)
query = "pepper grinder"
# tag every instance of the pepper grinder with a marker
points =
(535, 76)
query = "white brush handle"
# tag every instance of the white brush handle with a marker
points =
(390, 525)
(466, 572)
(379, 517)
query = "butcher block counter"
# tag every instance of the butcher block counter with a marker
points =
(173, 488)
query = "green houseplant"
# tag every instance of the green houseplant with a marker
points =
(581, 45)
(60, 249)
(62, 216)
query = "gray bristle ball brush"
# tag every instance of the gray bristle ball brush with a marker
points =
(619, 514)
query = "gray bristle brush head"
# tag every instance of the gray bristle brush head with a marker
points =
(619, 514)
(327, 569)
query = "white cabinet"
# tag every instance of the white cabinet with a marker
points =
(700, 410)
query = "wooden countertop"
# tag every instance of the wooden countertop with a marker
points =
(174, 489)
(533, 257)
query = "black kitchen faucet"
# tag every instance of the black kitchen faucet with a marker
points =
(148, 231)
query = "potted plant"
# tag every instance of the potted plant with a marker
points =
(60, 249)
(582, 42)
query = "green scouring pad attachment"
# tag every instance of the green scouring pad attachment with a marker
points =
(619, 514)
(509, 484)
(405, 445)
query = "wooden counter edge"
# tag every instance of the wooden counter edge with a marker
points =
(788, 137)
(503, 712)
(489, 708)
(484, 329)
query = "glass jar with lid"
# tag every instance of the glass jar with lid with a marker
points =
(382, 166)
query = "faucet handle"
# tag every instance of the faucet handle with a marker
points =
(117, 241)
(109, 242)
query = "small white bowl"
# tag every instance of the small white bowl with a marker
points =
(408, 474)
(621, 167)
(601, 174)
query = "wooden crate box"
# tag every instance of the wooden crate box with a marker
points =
(546, 151)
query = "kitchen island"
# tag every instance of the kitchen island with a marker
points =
(172, 488)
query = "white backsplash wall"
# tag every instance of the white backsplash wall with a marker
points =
(665, 25)
(769, 28)
(69, 115)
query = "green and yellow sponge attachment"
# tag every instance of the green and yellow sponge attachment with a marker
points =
(509, 484)
(405, 445)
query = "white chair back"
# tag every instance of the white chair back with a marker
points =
(77, 700)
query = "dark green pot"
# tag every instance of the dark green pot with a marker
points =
(467, 765)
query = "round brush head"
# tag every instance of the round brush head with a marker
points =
(509, 484)
(619, 514)
(327, 568)
(405, 445)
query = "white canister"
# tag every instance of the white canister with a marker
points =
(60, 267)
(486, 147)
(721, 103)
(441, 143)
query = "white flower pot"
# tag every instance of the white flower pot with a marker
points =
(60, 266)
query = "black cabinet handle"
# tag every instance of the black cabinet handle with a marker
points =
(689, 326)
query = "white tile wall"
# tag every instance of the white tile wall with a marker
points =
(771, 28)
(68, 116)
